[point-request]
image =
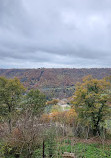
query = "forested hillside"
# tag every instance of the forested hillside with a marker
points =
(58, 82)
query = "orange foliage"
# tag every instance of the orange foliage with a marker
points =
(43, 78)
(45, 118)
(65, 117)
(50, 77)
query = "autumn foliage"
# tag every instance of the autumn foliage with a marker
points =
(91, 102)
(64, 117)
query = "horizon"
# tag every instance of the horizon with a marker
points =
(56, 68)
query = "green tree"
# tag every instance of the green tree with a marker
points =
(10, 95)
(35, 102)
(91, 102)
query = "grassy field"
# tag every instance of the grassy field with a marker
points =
(81, 150)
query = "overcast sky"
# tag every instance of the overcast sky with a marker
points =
(55, 33)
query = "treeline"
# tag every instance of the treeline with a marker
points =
(50, 80)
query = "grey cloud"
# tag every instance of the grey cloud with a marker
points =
(58, 33)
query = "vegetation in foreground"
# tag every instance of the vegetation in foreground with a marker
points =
(28, 129)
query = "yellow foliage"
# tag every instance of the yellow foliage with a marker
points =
(91, 101)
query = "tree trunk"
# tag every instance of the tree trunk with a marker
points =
(10, 125)
(43, 149)
(96, 130)
(9, 119)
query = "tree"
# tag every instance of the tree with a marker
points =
(91, 102)
(35, 102)
(10, 94)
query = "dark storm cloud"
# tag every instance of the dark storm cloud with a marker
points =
(58, 33)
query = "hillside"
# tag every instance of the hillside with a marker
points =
(57, 82)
